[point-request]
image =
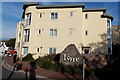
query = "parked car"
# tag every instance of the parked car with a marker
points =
(11, 51)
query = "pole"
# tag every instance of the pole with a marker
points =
(83, 69)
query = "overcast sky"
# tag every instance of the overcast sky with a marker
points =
(12, 11)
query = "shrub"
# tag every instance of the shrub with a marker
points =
(48, 62)
(50, 57)
(44, 63)
(92, 76)
(73, 70)
(28, 58)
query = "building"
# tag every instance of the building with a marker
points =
(3, 47)
(49, 29)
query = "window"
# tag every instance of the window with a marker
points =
(108, 23)
(71, 13)
(86, 16)
(52, 50)
(71, 31)
(26, 35)
(54, 15)
(86, 50)
(28, 19)
(25, 50)
(39, 31)
(109, 36)
(38, 50)
(86, 32)
(40, 15)
(53, 32)
(109, 28)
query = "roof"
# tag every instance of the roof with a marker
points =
(106, 15)
(26, 4)
(39, 6)
(94, 9)
(60, 6)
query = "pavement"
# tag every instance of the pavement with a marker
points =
(35, 72)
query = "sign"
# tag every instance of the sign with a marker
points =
(69, 58)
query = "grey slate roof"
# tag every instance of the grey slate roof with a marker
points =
(106, 15)
(26, 4)
(59, 6)
(94, 9)
(39, 6)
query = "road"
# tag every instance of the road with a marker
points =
(7, 74)
(11, 74)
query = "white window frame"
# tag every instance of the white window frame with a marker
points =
(86, 32)
(71, 31)
(26, 35)
(71, 13)
(28, 18)
(54, 15)
(86, 16)
(53, 32)
(109, 36)
(53, 51)
(25, 51)
(39, 31)
(40, 15)
(38, 50)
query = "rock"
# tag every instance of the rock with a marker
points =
(71, 56)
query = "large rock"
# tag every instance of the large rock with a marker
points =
(71, 56)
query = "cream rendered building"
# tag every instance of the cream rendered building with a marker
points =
(48, 29)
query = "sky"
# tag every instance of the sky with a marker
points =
(12, 13)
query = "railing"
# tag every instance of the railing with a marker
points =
(26, 23)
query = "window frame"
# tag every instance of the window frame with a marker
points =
(24, 51)
(26, 35)
(71, 13)
(71, 31)
(40, 15)
(86, 16)
(52, 50)
(86, 32)
(28, 19)
(54, 15)
(38, 50)
(53, 32)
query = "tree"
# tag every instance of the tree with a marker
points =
(11, 42)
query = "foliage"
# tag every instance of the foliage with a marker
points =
(116, 50)
(50, 56)
(111, 71)
(28, 58)
(92, 76)
(11, 42)
(44, 63)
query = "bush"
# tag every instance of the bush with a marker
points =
(49, 62)
(92, 76)
(50, 57)
(44, 63)
(73, 70)
(28, 58)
